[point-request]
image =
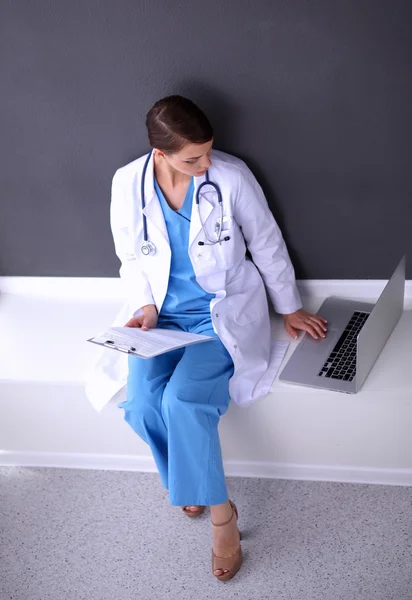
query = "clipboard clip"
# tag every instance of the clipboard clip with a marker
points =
(110, 344)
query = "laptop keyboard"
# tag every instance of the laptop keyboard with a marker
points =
(341, 363)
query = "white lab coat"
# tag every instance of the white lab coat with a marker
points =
(239, 311)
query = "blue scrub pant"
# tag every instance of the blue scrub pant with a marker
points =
(174, 402)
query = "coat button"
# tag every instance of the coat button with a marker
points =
(235, 346)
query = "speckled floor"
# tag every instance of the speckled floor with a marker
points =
(106, 535)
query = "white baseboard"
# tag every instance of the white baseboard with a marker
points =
(234, 468)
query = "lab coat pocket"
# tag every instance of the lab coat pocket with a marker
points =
(232, 247)
(245, 317)
(241, 312)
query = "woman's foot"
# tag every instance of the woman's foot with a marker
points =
(226, 540)
(193, 511)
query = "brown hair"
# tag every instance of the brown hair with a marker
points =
(174, 121)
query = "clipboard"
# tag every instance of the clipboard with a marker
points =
(113, 346)
(147, 344)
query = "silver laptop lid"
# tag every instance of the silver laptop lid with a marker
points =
(380, 324)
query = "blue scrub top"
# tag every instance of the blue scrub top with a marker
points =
(184, 294)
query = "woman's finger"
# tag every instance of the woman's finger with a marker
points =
(149, 323)
(309, 329)
(135, 322)
(314, 333)
(319, 328)
(291, 331)
(318, 321)
(319, 318)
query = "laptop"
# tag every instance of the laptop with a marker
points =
(357, 333)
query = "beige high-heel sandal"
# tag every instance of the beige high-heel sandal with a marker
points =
(231, 564)
(193, 513)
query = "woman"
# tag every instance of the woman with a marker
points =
(184, 261)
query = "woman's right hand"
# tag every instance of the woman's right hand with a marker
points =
(148, 320)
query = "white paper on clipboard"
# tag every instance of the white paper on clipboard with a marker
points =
(147, 344)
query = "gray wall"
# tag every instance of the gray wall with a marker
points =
(315, 96)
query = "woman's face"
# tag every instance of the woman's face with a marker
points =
(192, 159)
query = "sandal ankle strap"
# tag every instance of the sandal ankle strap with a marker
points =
(226, 522)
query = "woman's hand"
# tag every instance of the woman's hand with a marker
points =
(148, 320)
(301, 319)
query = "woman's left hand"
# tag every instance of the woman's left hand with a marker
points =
(305, 321)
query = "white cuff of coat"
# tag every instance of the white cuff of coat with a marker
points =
(139, 311)
(139, 298)
(286, 309)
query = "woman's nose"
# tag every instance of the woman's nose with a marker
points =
(206, 163)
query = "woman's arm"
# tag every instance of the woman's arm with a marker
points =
(266, 244)
(268, 249)
(137, 286)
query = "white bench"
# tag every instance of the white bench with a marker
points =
(295, 432)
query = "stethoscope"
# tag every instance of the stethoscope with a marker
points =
(149, 248)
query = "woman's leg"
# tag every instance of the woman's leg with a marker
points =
(193, 401)
(195, 397)
(146, 382)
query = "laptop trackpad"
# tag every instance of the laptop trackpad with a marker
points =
(331, 338)
(309, 357)
(317, 351)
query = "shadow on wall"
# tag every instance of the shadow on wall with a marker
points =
(225, 117)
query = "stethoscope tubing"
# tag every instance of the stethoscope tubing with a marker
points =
(148, 247)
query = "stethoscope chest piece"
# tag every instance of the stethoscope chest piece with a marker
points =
(148, 248)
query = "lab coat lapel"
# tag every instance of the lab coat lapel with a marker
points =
(153, 209)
